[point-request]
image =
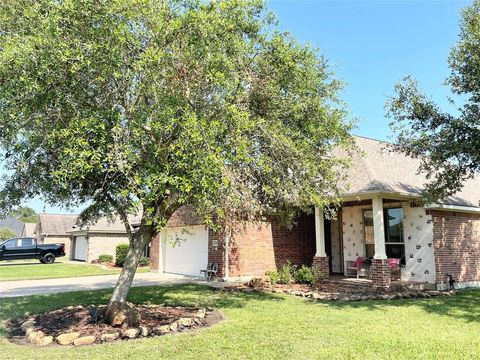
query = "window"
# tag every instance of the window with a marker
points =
(393, 226)
(26, 242)
(11, 243)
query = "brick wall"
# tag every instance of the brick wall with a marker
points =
(381, 275)
(155, 253)
(99, 244)
(456, 239)
(257, 249)
(60, 239)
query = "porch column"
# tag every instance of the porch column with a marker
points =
(380, 265)
(320, 260)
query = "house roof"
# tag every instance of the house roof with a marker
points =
(376, 168)
(105, 225)
(11, 223)
(56, 224)
(29, 229)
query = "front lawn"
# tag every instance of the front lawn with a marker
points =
(35, 270)
(266, 326)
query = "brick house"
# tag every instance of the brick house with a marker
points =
(381, 217)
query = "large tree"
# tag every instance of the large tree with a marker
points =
(137, 107)
(25, 214)
(447, 144)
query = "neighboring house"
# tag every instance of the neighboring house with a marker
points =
(53, 228)
(90, 241)
(29, 230)
(13, 224)
(381, 217)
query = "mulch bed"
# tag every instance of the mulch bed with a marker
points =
(338, 291)
(78, 320)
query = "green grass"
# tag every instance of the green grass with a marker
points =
(264, 326)
(34, 270)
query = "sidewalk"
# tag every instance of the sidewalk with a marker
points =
(50, 286)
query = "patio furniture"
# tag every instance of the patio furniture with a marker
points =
(212, 272)
(394, 265)
(205, 271)
(359, 267)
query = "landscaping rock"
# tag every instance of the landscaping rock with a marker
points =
(131, 333)
(122, 314)
(67, 338)
(85, 340)
(145, 330)
(35, 337)
(174, 326)
(162, 329)
(186, 322)
(316, 296)
(28, 326)
(109, 336)
(201, 313)
(384, 297)
(407, 296)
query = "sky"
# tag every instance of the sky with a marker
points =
(371, 46)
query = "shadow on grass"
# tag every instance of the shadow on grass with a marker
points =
(465, 305)
(192, 295)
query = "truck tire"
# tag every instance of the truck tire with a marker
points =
(41, 260)
(48, 258)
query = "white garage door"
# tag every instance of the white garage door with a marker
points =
(186, 252)
(80, 252)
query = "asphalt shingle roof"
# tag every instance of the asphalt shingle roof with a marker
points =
(376, 168)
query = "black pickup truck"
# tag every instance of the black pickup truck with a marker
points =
(27, 248)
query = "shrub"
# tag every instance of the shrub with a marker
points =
(105, 258)
(121, 254)
(144, 261)
(304, 275)
(318, 277)
(273, 276)
(286, 273)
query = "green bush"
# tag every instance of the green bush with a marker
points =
(273, 276)
(121, 254)
(304, 275)
(144, 261)
(105, 258)
(283, 276)
(286, 273)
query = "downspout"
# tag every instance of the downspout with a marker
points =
(226, 255)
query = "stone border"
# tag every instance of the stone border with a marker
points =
(37, 337)
(354, 297)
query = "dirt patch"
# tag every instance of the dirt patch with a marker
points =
(155, 320)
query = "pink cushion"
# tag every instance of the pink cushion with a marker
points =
(359, 261)
(393, 263)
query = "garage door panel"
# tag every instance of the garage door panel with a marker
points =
(80, 251)
(186, 252)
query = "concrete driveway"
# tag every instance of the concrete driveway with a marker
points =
(50, 286)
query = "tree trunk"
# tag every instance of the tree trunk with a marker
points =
(124, 283)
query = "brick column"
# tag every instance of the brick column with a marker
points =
(155, 254)
(381, 273)
(321, 263)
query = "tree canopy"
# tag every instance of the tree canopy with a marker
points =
(448, 144)
(25, 214)
(142, 106)
(6, 234)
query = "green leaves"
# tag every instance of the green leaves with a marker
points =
(447, 144)
(153, 104)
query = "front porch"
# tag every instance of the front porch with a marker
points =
(392, 236)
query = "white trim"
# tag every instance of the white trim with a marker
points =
(468, 209)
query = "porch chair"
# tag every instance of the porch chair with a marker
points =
(394, 265)
(212, 272)
(205, 271)
(357, 268)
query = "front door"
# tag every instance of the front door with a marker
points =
(333, 245)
